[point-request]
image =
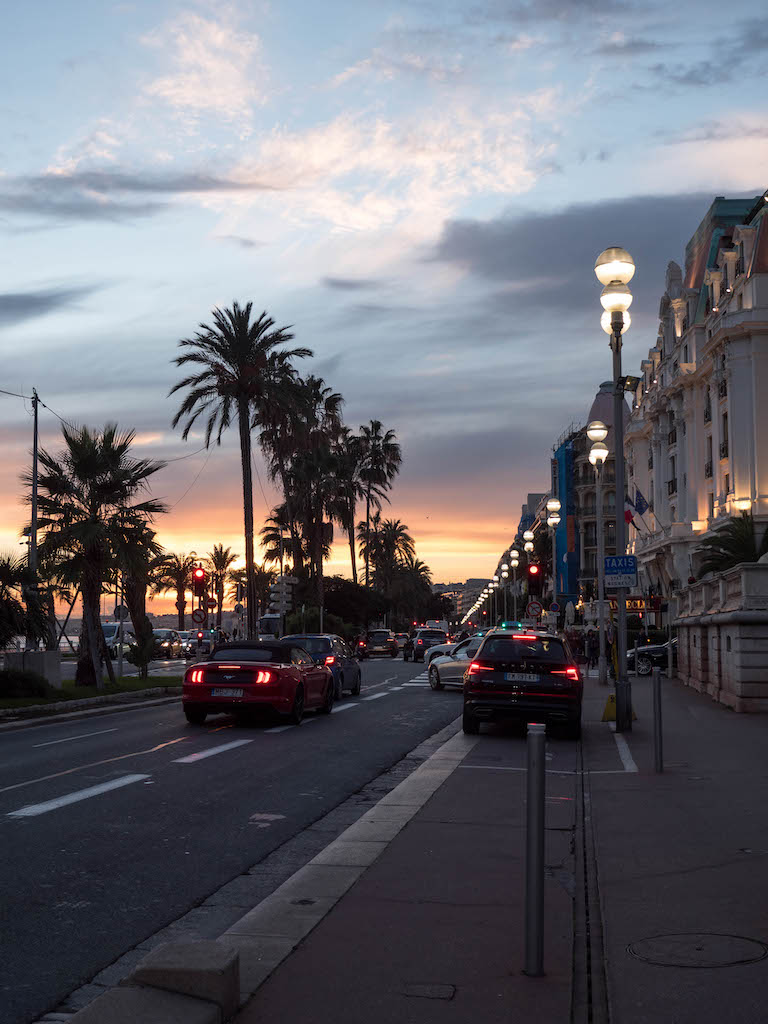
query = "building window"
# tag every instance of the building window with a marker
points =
(727, 483)
(728, 643)
(711, 506)
(685, 353)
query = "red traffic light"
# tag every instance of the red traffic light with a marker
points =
(199, 573)
(199, 634)
(533, 570)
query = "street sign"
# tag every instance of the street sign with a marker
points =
(121, 613)
(554, 607)
(199, 615)
(280, 606)
(287, 579)
(620, 571)
(211, 603)
(239, 609)
(534, 609)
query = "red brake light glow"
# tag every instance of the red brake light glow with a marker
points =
(474, 668)
(262, 677)
(196, 675)
(523, 636)
(570, 673)
(330, 660)
(419, 641)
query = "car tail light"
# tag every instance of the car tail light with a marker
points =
(571, 673)
(419, 641)
(195, 675)
(475, 667)
(361, 643)
(262, 676)
(330, 660)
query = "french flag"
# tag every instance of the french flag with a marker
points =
(629, 512)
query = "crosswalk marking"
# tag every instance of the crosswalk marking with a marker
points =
(343, 707)
(375, 696)
(32, 810)
(191, 758)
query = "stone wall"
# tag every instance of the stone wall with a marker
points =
(722, 646)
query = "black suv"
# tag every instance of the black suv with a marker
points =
(526, 676)
(420, 641)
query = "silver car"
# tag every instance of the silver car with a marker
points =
(448, 669)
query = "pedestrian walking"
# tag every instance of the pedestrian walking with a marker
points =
(593, 649)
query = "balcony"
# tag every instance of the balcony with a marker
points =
(708, 469)
(723, 449)
(672, 486)
(739, 266)
(707, 413)
(672, 436)
(722, 389)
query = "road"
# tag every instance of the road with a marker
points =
(112, 831)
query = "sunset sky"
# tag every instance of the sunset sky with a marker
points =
(420, 189)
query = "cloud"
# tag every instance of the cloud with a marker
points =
(545, 260)
(217, 69)
(388, 66)
(545, 10)
(350, 283)
(702, 73)
(16, 307)
(620, 45)
(244, 243)
(715, 131)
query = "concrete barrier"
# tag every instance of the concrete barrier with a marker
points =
(204, 969)
(45, 663)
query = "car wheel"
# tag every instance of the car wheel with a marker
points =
(644, 665)
(297, 711)
(355, 691)
(339, 690)
(406, 656)
(470, 724)
(434, 678)
(195, 716)
(327, 706)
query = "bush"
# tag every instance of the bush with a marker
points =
(15, 682)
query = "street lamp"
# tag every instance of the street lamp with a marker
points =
(614, 269)
(528, 546)
(553, 521)
(598, 453)
(528, 535)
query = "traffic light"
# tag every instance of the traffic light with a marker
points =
(239, 592)
(199, 635)
(534, 579)
(199, 581)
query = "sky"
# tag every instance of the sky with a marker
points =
(419, 189)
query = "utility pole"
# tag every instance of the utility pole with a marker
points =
(33, 524)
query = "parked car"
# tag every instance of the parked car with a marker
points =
(401, 638)
(112, 637)
(440, 649)
(251, 675)
(337, 655)
(449, 666)
(168, 644)
(420, 642)
(526, 676)
(651, 656)
(382, 641)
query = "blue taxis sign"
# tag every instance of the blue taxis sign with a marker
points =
(621, 570)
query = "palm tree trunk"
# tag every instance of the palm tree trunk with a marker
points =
(88, 671)
(245, 460)
(135, 596)
(352, 543)
(367, 531)
(296, 556)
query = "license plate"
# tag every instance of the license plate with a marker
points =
(226, 691)
(520, 677)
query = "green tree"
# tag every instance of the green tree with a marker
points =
(380, 464)
(88, 512)
(241, 371)
(21, 613)
(174, 573)
(736, 542)
(220, 561)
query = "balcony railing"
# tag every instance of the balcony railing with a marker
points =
(739, 266)
(708, 469)
(707, 413)
(723, 449)
(672, 436)
(672, 486)
(722, 389)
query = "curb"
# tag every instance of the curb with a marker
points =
(127, 703)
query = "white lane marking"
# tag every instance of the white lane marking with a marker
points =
(191, 758)
(68, 739)
(31, 810)
(415, 684)
(375, 696)
(309, 721)
(343, 707)
(504, 768)
(394, 689)
(279, 728)
(625, 753)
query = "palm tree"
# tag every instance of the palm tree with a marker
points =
(736, 542)
(394, 546)
(174, 573)
(381, 458)
(220, 560)
(138, 560)
(85, 497)
(273, 536)
(263, 577)
(241, 371)
(20, 613)
(351, 489)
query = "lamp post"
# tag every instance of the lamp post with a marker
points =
(553, 521)
(505, 586)
(614, 269)
(598, 453)
(495, 585)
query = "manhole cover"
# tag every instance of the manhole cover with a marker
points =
(698, 950)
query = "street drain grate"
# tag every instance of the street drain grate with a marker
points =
(429, 991)
(698, 950)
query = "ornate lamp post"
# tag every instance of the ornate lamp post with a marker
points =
(614, 269)
(553, 521)
(598, 453)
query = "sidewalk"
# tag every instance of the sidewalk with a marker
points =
(433, 930)
(683, 854)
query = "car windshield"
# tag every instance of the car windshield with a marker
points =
(379, 634)
(110, 628)
(312, 644)
(433, 634)
(265, 653)
(523, 648)
(163, 634)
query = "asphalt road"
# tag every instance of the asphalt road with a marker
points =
(111, 830)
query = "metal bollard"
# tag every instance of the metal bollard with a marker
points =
(658, 739)
(534, 861)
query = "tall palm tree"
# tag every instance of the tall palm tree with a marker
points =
(381, 458)
(220, 560)
(137, 560)
(20, 613)
(174, 573)
(736, 542)
(350, 489)
(87, 515)
(263, 577)
(241, 369)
